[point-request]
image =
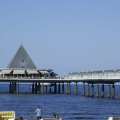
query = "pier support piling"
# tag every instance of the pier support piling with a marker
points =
(68, 91)
(102, 90)
(84, 89)
(92, 95)
(113, 91)
(98, 91)
(13, 87)
(42, 88)
(33, 88)
(59, 88)
(88, 92)
(55, 88)
(63, 88)
(76, 88)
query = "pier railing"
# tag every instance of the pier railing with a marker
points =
(66, 78)
(94, 76)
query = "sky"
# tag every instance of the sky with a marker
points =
(64, 35)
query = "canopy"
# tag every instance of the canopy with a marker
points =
(5, 71)
(32, 71)
(19, 72)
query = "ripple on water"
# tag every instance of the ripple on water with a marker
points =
(69, 107)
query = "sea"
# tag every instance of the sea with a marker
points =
(69, 107)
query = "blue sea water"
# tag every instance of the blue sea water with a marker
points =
(70, 107)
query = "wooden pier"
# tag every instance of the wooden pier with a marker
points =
(90, 88)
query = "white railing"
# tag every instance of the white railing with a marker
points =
(99, 76)
(94, 76)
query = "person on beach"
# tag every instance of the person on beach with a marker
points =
(38, 113)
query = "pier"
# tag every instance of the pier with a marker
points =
(22, 70)
(102, 85)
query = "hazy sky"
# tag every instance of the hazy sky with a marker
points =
(65, 35)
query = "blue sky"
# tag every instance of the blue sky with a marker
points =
(65, 35)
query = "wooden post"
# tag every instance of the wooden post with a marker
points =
(42, 88)
(92, 90)
(84, 89)
(113, 90)
(98, 92)
(63, 88)
(13, 87)
(55, 88)
(10, 87)
(33, 88)
(39, 88)
(59, 90)
(68, 88)
(88, 94)
(46, 89)
(103, 90)
(76, 88)
(110, 91)
(50, 90)
(17, 89)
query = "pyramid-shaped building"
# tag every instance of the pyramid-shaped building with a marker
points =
(22, 60)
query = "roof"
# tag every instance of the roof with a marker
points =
(19, 71)
(22, 71)
(5, 71)
(22, 60)
(32, 71)
(43, 71)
